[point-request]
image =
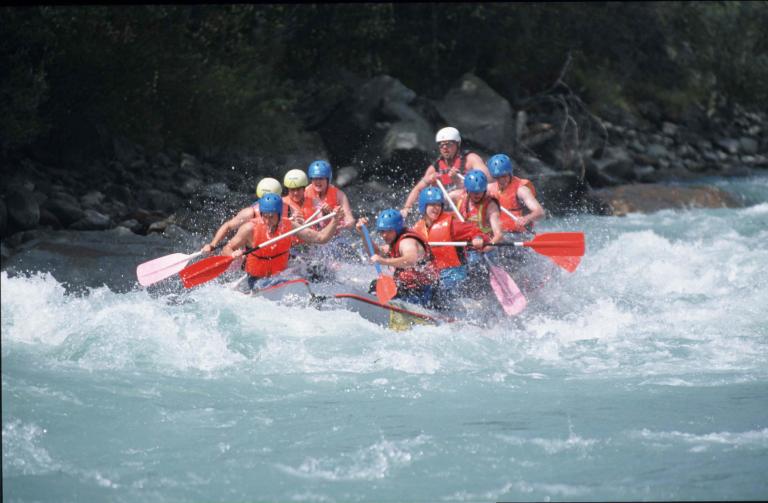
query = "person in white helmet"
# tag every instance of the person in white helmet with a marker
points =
(450, 163)
(265, 186)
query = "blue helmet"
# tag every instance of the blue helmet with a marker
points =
(271, 203)
(430, 195)
(320, 169)
(476, 181)
(500, 165)
(390, 220)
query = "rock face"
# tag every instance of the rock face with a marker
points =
(379, 136)
(648, 198)
(481, 115)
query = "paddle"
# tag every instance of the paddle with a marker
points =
(509, 295)
(209, 268)
(385, 285)
(158, 269)
(551, 244)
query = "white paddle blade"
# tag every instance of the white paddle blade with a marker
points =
(158, 269)
(510, 297)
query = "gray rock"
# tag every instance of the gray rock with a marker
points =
(558, 192)
(645, 173)
(132, 224)
(158, 200)
(408, 135)
(216, 191)
(66, 209)
(190, 162)
(729, 145)
(748, 145)
(48, 219)
(189, 187)
(23, 209)
(658, 151)
(669, 129)
(92, 221)
(119, 192)
(3, 217)
(479, 113)
(92, 199)
(615, 166)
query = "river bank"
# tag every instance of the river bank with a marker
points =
(379, 136)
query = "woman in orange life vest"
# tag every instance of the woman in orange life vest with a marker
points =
(450, 163)
(321, 192)
(316, 269)
(408, 253)
(516, 195)
(440, 225)
(267, 262)
(265, 186)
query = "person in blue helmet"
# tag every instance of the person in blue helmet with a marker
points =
(477, 206)
(449, 165)
(408, 253)
(438, 225)
(265, 186)
(520, 209)
(265, 263)
(321, 193)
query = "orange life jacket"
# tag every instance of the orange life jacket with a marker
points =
(478, 214)
(443, 168)
(271, 259)
(423, 273)
(508, 199)
(312, 201)
(445, 256)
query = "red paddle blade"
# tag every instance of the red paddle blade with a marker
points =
(204, 270)
(386, 288)
(558, 244)
(568, 263)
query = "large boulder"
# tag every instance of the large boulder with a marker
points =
(378, 123)
(23, 209)
(64, 207)
(481, 115)
(648, 198)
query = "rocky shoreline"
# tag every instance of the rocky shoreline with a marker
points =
(379, 134)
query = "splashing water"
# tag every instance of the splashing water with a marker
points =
(643, 375)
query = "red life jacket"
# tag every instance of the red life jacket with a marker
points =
(441, 230)
(478, 214)
(423, 273)
(443, 168)
(271, 259)
(508, 199)
(312, 201)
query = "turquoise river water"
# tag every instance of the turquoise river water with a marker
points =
(641, 376)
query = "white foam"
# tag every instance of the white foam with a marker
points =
(374, 462)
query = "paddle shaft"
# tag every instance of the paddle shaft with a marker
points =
(289, 233)
(369, 244)
(450, 201)
(236, 283)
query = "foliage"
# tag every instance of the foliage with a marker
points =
(217, 76)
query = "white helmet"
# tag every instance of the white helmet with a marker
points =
(268, 186)
(295, 179)
(448, 134)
